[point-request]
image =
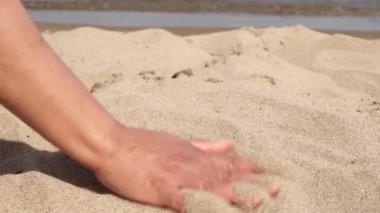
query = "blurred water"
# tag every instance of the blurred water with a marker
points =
(224, 20)
(342, 2)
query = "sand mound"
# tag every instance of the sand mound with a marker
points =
(303, 103)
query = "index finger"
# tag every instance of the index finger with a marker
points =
(244, 165)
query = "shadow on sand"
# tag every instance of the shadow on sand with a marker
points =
(18, 157)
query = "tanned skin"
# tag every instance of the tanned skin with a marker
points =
(144, 166)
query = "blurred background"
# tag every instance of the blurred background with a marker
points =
(353, 16)
(283, 7)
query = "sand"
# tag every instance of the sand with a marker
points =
(304, 104)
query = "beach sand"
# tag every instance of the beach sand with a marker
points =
(304, 104)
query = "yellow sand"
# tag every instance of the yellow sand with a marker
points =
(304, 104)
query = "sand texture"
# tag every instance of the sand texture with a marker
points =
(304, 104)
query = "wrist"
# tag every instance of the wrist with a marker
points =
(105, 147)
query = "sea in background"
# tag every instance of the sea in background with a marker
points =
(324, 15)
(201, 20)
(278, 7)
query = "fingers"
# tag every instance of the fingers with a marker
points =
(221, 147)
(256, 202)
(227, 194)
(223, 170)
(246, 165)
(273, 190)
(241, 177)
(226, 147)
(175, 199)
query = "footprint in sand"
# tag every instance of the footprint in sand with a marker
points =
(150, 75)
(213, 80)
(263, 78)
(212, 62)
(372, 107)
(109, 80)
(186, 72)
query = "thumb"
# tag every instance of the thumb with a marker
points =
(220, 147)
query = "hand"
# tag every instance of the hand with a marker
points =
(152, 168)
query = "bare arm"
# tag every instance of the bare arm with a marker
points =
(37, 87)
(144, 166)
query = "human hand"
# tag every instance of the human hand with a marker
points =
(153, 168)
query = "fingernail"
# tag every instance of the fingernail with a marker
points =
(235, 200)
(274, 190)
(256, 202)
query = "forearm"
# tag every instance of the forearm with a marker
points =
(37, 87)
